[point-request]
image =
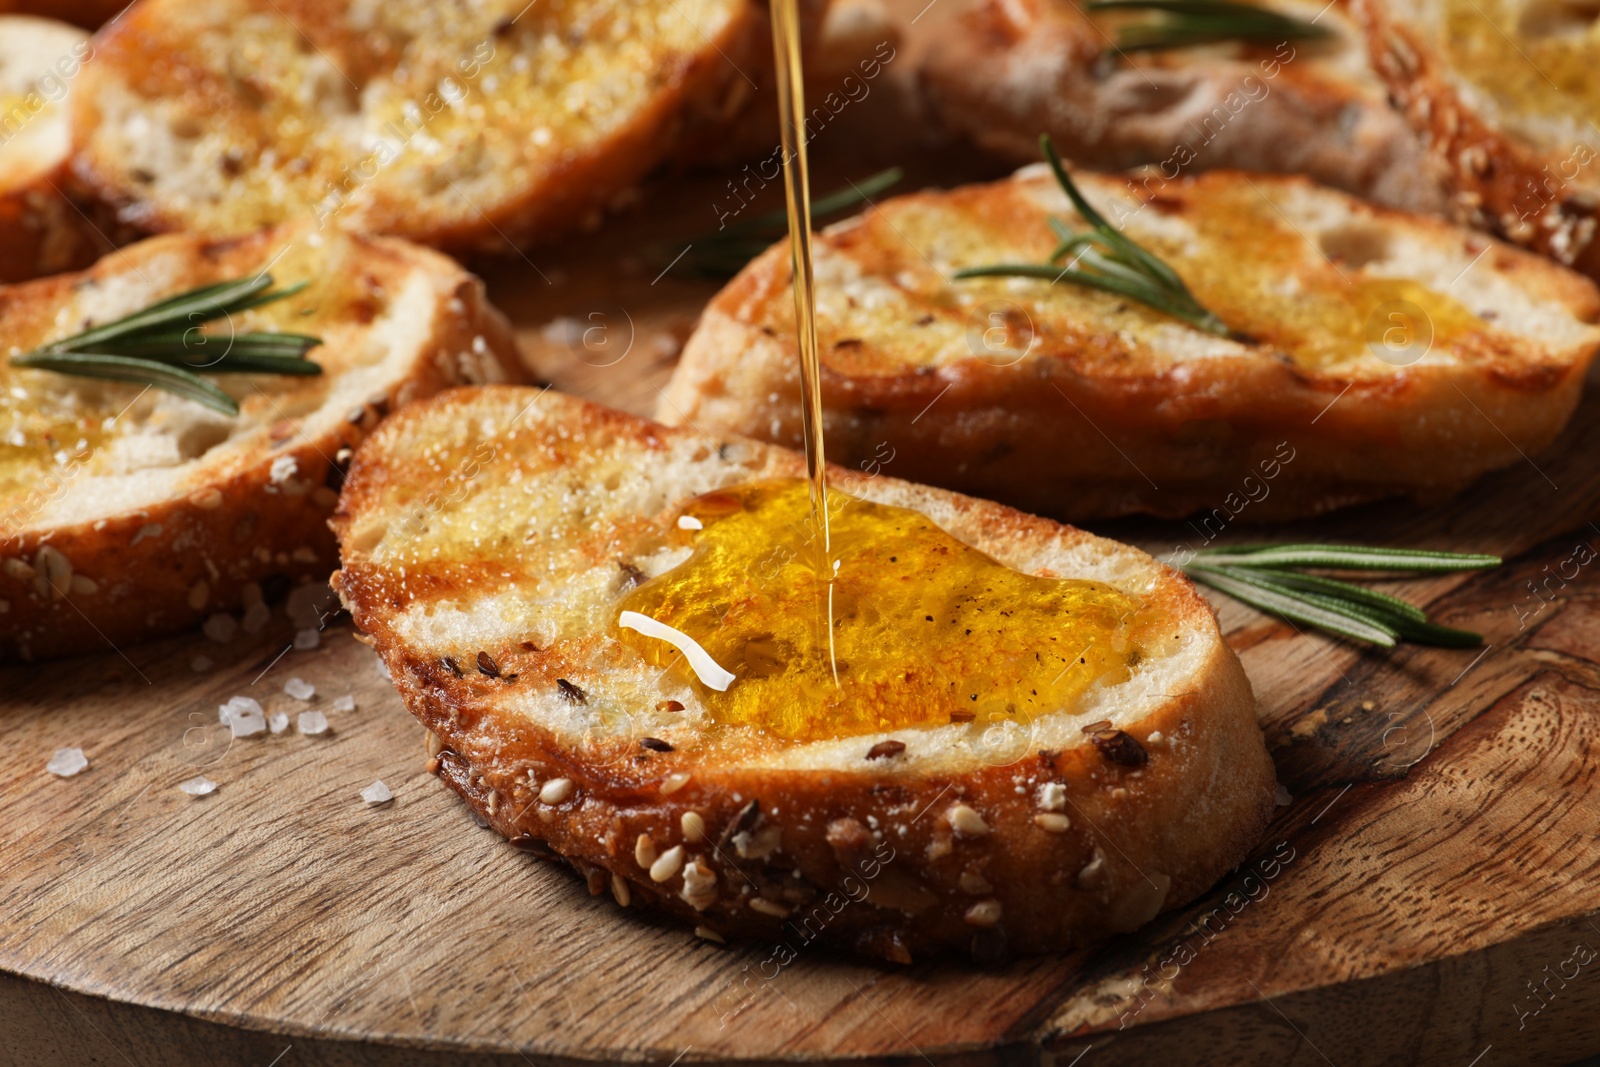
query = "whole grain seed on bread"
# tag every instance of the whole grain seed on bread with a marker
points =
(458, 125)
(1008, 70)
(1375, 353)
(1502, 92)
(499, 619)
(128, 512)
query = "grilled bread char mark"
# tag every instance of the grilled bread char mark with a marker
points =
(1384, 353)
(909, 842)
(129, 513)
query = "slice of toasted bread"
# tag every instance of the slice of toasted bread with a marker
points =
(41, 231)
(459, 125)
(1385, 353)
(127, 513)
(1011, 70)
(487, 540)
(1503, 93)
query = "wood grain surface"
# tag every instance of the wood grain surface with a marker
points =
(1426, 893)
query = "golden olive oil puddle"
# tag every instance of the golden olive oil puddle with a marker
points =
(926, 630)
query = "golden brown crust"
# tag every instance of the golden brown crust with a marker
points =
(1102, 416)
(1496, 180)
(231, 519)
(861, 855)
(493, 176)
(1010, 70)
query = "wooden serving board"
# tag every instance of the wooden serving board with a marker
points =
(1426, 893)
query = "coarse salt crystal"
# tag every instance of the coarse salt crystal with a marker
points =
(200, 664)
(344, 703)
(300, 689)
(243, 705)
(221, 628)
(307, 604)
(255, 618)
(283, 468)
(377, 793)
(312, 723)
(198, 786)
(306, 640)
(67, 762)
(278, 722)
(243, 717)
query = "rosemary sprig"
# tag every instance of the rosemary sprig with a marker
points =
(1186, 23)
(1106, 259)
(723, 253)
(163, 346)
(1270, 578)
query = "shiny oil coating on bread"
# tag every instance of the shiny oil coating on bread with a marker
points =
(1009, 70)
(1504, 94)
(488, 538)
(460, 125)
(1382, 353)
(127, 512)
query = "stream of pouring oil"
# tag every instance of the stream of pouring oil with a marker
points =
(797, 189)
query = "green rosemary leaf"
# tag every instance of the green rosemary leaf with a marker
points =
(208, 301)
(1296, 608)
(1186, 23)
(1263, 576)
(1349, 557)
(1292, 581)
(725, 252)
(163, 346)
(1107, 259)
(137, 371)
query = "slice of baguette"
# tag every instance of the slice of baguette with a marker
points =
(1076, 403)
(1010, 70)
(487, 538)
(457, 125)
(127, 513)
(1503, 93)
(41, 231)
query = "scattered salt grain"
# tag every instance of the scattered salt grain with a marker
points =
(563, 331)
(221, 628)
(312, 723)
(344, 703)
(278, 722)
(243, 717)
(67, 762)
(377, 793)
(255, 618)
(200, 664)
(306, 640)
(198, 786)
(1283, 799)
(300, 689)
(240, 704)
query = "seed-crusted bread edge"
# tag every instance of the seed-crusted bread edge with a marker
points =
(1061, 846)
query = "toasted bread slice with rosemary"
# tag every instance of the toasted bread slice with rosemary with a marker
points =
(41, 231)
(1375, 353)
(491, 541)
(1010, 70)
(458, 125)
(1503, 93)
(128, 512)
